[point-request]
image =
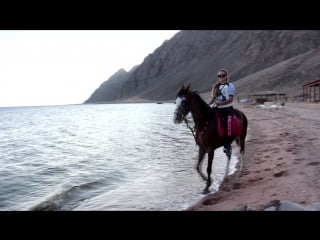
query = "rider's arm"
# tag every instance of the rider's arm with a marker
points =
(229, 100)
(212, 100)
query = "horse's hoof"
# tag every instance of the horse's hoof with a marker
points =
(205, 191)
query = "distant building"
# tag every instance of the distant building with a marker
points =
(267, 96)
(311, 91)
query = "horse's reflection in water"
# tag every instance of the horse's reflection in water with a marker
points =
(207, 130)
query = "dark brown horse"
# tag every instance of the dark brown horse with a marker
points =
(208, 131)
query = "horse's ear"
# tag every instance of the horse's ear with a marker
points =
(188, 87)
(182, 89)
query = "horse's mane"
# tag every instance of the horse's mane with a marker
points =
(205, 108)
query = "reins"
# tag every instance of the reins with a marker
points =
(192, 131)
(186, 121)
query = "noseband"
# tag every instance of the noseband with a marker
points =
(184, 113)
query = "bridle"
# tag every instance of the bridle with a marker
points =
(183, 111)
(193, 130)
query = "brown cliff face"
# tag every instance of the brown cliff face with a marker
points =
(257, 60)
(110, 89)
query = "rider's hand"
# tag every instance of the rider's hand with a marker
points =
(214, 105)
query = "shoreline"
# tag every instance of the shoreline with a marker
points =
(280, 162)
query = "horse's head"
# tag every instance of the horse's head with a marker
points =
(182, 104)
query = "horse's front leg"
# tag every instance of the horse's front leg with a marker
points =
(209, 170)
(202, 152)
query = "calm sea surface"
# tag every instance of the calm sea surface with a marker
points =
(99, 157)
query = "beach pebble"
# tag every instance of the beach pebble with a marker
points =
(283, 205)
(290, 206)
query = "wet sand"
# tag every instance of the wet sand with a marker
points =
(281, 162)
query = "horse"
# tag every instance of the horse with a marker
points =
(208, 131)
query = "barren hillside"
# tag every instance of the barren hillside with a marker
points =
(258, 60)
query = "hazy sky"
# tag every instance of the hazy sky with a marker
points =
(51, 67)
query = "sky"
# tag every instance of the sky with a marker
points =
(59, 67)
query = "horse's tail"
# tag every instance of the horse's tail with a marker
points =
(244, 125)
(243, 133)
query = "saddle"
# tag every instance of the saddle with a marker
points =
(233, 129)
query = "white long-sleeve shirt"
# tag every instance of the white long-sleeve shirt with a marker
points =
(226, 90)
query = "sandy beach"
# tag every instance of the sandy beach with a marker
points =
(281, 162)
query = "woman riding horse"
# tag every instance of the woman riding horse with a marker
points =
(209, 133)
(222, 97)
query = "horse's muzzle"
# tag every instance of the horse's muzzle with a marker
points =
(178, 117)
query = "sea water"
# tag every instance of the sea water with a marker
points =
(101, 157)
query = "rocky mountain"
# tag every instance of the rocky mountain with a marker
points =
(257, 60)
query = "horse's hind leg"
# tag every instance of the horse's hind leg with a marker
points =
(200, 158)
(242, 142)
(209, 169)
(241, 162)
(227, 168)
(238, 141)
(228, 151)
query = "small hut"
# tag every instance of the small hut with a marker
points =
(267, 96)
(311, 91)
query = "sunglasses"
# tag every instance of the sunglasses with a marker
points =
(221, 75)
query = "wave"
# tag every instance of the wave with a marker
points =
(68, 199)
